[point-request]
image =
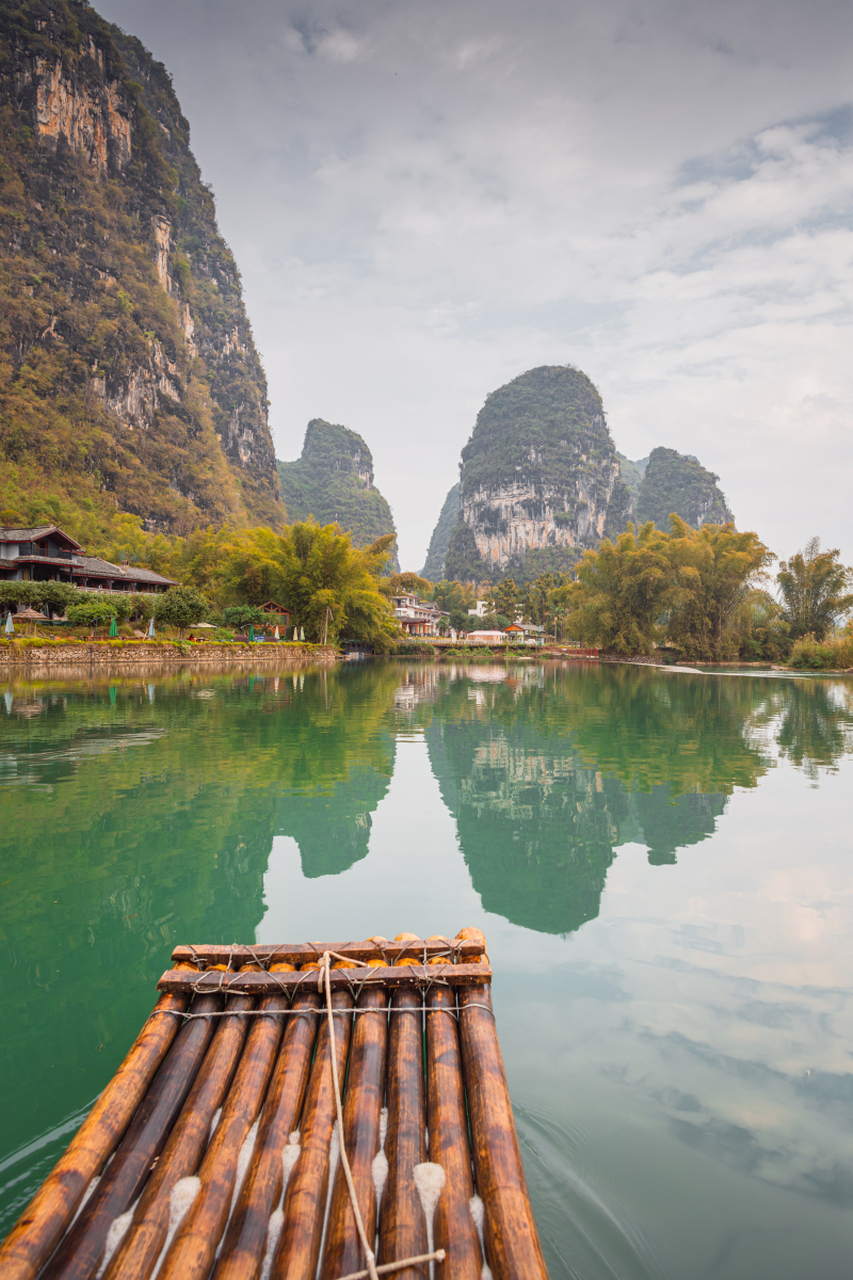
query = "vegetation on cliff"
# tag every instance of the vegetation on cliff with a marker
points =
(129, 381)
(332, 481)
(676, 482)
(433, 568)
(539, 481)
(632, 474)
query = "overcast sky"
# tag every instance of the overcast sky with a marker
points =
(427, 197)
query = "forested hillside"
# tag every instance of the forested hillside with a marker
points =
(675, 482)
(433, 569)
(332, 481)
(129, 381)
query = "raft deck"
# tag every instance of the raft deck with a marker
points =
(214, 1149)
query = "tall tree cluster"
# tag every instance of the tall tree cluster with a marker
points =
(702, 591)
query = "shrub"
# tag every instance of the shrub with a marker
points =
(811, 654)
(180, 607)
(94, 612)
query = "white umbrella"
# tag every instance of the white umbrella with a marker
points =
(301, 633)
(151, 631)
(277, 636)
(10, 626)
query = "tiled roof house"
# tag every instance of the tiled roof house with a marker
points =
(47, 554)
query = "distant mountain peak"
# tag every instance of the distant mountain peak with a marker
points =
(677, 482)
(540, 481)
(332, 480)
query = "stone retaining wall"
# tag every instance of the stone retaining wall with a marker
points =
(77, 659)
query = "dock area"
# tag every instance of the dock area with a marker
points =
(215, 1149)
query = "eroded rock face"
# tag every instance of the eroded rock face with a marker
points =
(81, 105)
(121, 291)
(540, 481)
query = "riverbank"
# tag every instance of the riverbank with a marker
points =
(56, 657)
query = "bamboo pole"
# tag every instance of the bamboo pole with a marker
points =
(39, 1229)
(305, 1199)
(191, 1254)
(402, 1226)
(82, 1248)
(454, 1228)
(138, 1252)
(413, 974)
(512, 1241)
(303, 953)
(365, 1089)
(243, 1248)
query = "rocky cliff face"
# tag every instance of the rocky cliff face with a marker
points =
(677, 482)
(127, 366)
(332, 481)
(540, 481)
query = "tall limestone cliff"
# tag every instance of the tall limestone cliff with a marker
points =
(129, 379)
(678, 482)
(540, 481)
(332, 480)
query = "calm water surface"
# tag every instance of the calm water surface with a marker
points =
(661, 864)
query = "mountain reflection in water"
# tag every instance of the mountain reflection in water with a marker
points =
(137, 814)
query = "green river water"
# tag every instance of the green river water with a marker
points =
(660, 861)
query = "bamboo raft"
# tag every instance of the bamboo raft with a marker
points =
(214, 1149)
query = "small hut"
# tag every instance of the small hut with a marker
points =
(277, 615)
(31, 617)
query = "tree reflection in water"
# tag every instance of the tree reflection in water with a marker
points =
(548, 772)
(138, 812)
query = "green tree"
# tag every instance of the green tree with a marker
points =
(536, 603)
(180, 607)
(504, 599)
(452, 595)
(713, 571)
(763, 635)
(45, 595)
(241, 616)
(410, 583)
(331, 587)
(815, 591)
(94, 612)
(622, 591)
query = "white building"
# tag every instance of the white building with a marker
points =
(419, 617)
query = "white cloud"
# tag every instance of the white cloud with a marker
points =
(427, 199)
